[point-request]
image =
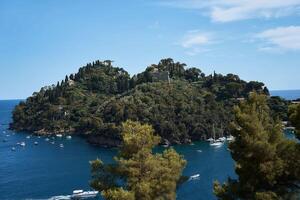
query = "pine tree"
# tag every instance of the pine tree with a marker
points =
(267, 164)
(143, 175)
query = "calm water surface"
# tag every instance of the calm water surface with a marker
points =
(45, 170)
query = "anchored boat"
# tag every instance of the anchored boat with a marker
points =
(80, 194)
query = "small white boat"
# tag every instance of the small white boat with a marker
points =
(80, 194)
(69, 137)
(210, 140)
(230, 138)
(13, 148)
(216, 144)
(47, 139)
(23, 144)
(194, 177)
(61, 145)
(221, 139)
(165, 145)
(28, 137)
(199, 151)
(39, 136)
(58, 135)
(52, 142)
(36, 143)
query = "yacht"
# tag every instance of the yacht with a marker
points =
(80, 194)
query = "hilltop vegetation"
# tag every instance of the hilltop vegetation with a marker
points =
(96, 100)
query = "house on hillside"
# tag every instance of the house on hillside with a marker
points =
(160, 76)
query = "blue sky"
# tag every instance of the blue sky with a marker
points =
(42, 41)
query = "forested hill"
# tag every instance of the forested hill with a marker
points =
(181, 102)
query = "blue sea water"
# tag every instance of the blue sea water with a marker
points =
(287, 94)
(46, 170)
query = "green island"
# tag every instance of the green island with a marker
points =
(181, 103)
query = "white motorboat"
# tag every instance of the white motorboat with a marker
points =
(52, 142)
(199, 151)
(47, 139)
(13, 148)
(80, 194)
(210, 140)
(28, 137)
(61, 145)
(58, 135)
(194, 177)
(23, 144)
(69, 137)
(36, 143)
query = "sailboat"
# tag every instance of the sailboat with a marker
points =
(215, 143)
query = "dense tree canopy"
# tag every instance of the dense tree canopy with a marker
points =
(138, 173)
(294, 116)
(267, 163)
(99, 97)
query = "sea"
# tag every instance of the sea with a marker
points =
(47, 170)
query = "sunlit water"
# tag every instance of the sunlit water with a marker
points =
(45, 170)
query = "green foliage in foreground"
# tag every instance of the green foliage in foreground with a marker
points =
(294, 116)
(267, 164)
(138, 173)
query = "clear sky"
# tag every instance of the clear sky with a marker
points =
(43, 40)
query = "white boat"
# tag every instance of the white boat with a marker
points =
(210, 140)
(69, 137)
(222, 139)
(61, 145)
(36, 143)
(230, 138)
(61, 197)
(215, 143)
(199, 151)
(52, 142)
(13, 148)
(23, 144)
(47, 139)
(80, 194)
(194, 177)
(39, 136)
(28, 137)
(58, 135)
